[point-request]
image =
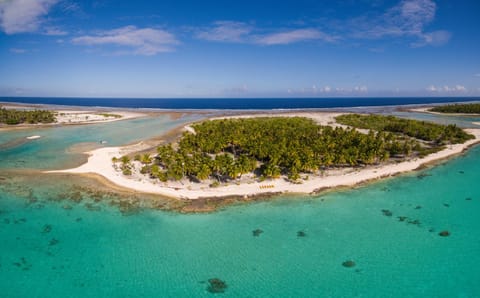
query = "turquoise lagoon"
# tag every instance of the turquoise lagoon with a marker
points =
(389, 229)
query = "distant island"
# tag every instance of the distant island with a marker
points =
(472, 108)
(10, 115)
(14, 117)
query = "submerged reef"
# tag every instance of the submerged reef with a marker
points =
(216, 285)
(257, 232)
(348, 264)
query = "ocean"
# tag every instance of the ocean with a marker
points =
(235, 103)
(62, 236)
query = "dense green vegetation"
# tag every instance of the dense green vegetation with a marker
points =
(470, 108)
(108, 115)
(13, 117)
(426, 131)
(226, 149)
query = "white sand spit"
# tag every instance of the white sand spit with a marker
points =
(33, 137)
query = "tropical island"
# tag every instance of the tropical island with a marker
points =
(472, 108)
(14, 116)
(251, 155)
(11, 115)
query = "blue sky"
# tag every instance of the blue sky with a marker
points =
(263, 48)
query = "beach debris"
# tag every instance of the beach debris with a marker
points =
(387, 212)
(257, 232)
(402, 218)
(348, 264)
(418, 207)
(444, 233)
(46, 229)
(216, 285)
(301, 234)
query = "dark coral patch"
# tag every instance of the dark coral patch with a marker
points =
(414, 222)
(421, 176)
(46, 229)
(301, 234)
(402, 218)
(257, 232)
(348, 264)
(444, 233)
(387, 212)
(53, 242)
(216, 285)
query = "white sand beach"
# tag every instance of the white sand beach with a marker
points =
(33, 137)
(86, 117)
(100, 163)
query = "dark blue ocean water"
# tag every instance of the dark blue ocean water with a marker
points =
(234, 103)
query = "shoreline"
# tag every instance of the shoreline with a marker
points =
(66, 115)
(100, 163)
(426, 110)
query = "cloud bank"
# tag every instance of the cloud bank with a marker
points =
(138, 41)
(408, 18)
(21, 16)
(240, 32)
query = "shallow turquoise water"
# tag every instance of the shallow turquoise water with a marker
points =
(54, 149)
(49, 250)
(461, 121)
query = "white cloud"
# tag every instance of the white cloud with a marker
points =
(237, 90)
(18, 51)
(226, 31)
(229, 31)
(18, 16)
(292, 36)
(326, 89)
(436, 38)
(447, 89)
(477, 75)
(361, 89)
(406, 19)
(141, 41)
(53, 31)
